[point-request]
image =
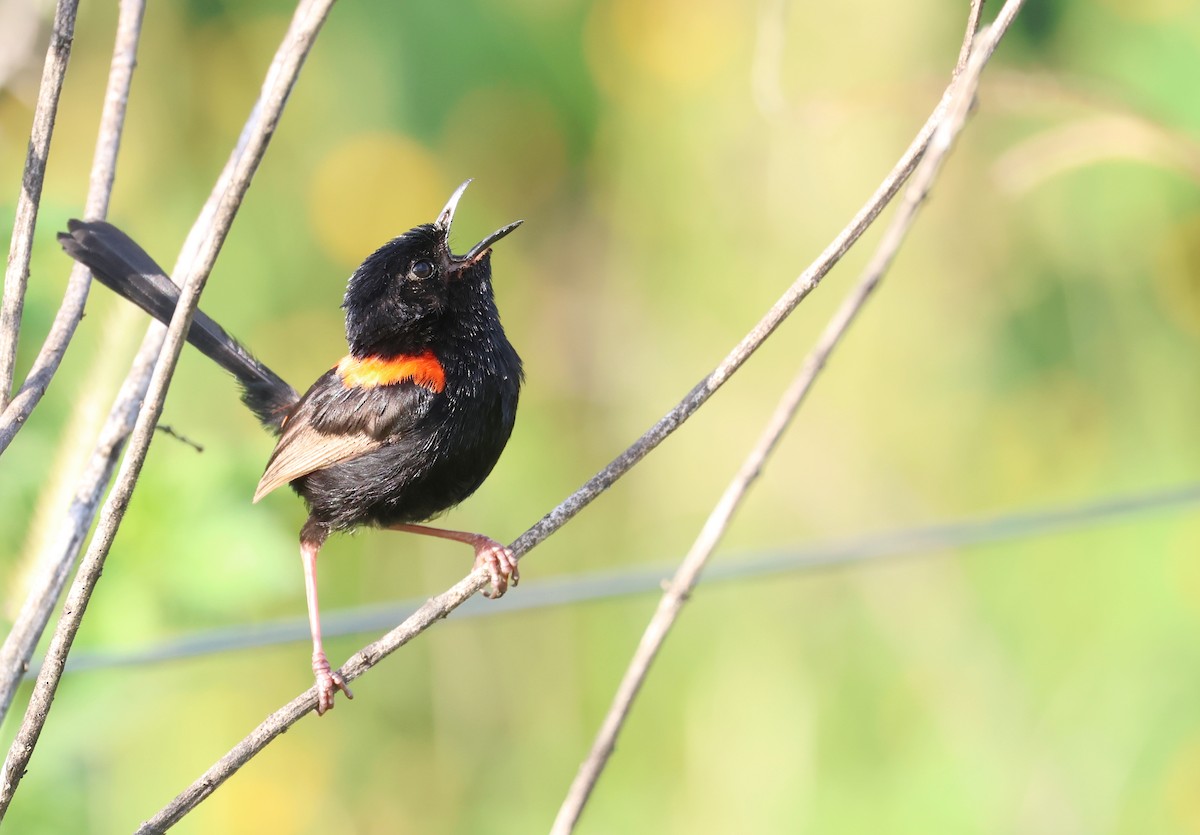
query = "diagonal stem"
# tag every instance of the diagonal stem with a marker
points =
(439, 607)
(16, 275)
(35, 611)
(200, 252)
(688, 575)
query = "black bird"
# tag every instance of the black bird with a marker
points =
(408, 424)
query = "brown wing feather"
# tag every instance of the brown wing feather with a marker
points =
(303, 450)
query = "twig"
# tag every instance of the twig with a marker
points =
(16, 275)
(685, 579)
(35, 611)
(183, 439)
(208, 235)
(112, 121)
(968, 44)
(439, 607)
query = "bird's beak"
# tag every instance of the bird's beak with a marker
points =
(480, 249)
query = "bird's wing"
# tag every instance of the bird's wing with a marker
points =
(333, 423)
(304, 450)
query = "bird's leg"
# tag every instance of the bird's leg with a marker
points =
(329, 681)
(499, 560)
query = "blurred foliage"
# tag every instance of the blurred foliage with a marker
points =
(1035, 344)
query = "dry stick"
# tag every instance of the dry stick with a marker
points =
(306, 23)
(437, 608)
(35, 611)
(16, 276)
(671, 604)
(112, 119)
(968, 44)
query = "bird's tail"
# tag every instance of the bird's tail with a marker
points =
(117, 262)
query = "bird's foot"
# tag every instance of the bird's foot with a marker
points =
(500, 563)
(329, 681)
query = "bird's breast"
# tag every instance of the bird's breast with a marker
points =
(423, 369)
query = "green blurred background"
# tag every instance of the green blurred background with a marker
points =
(677, 164)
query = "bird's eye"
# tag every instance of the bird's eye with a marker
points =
(422, 269)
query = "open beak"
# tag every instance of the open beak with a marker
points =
(480, 249)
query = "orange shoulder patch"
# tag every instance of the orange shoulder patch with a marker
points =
(368, 372)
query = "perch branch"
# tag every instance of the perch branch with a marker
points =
(200, 252)
(678, 590)
(16, 275)
(35, 611)
(439, 607)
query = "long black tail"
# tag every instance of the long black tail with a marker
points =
(120, 264)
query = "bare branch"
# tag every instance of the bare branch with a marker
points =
(964, 52)
(35, 612)
(16, 276)
(439, 607)
(685, 579)
(200, 252)
(13, 415)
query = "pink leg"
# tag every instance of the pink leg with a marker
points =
(499, 561)
(329, 681)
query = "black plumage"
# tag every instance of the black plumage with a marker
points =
(409, 424)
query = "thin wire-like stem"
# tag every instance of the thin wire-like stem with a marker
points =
(16, 275)
(200, 253)
(39, 603)
(437, 608)
(862, 550)
(681, 585)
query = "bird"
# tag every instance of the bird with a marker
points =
(406, 425)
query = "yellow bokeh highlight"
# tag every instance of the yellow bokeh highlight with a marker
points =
(1149, 11)
(369, 189)
(1179, 786)
(680, 44)
(1175, 281)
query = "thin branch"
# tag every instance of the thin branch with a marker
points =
(206, 239)
(685, 579)
(678, 590)
(183, 439)
(35, 611)
(437, 608)
(968, 44)
(16, 275)
(591, 586)
(13, 415)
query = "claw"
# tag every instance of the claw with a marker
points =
(501, 566)
(329, 681)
